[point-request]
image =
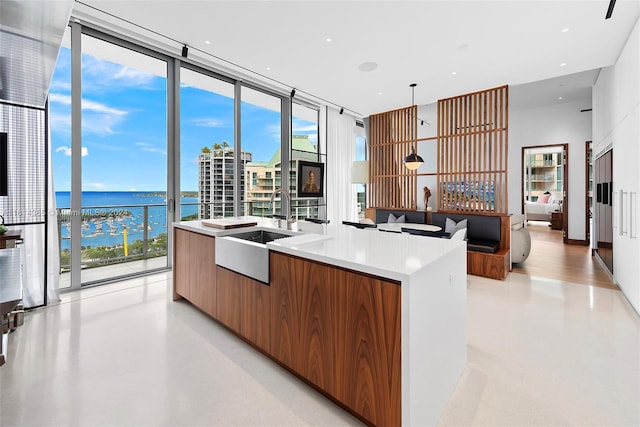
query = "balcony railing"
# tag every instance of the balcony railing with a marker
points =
(114, 234)
(119, 234)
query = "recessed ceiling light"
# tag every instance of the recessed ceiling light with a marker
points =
(559, 97)
(565, 30)
(379, 93)
(563, 64)
(453, 73)
(207, 42)
(367, 66)
(328, 39)
(268, 68)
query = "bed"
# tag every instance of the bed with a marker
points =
(540, 210)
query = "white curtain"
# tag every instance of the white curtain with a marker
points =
(341, 153)
(53, 245)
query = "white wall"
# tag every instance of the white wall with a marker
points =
(553, 124)
(616, 104)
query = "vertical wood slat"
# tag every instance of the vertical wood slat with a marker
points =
(472, 151)
(392, 134)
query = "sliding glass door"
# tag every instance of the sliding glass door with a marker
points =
(117, 224)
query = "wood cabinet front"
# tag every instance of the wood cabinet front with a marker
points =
(181, 254)
(243, 306)
(202, 272)
(194, 270)
(340, 330)
(368, 347)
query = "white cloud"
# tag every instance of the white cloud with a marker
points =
(208, 122)
(304, 129)
(67, 150)
(101, 108)
(105, 73)
(60, 98)
(100, 119)
(132, 77)
(149, 148)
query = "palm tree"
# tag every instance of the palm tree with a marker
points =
(217, 147)
(206, 150)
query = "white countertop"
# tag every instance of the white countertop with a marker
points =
(395, 256)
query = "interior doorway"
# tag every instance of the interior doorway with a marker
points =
(603, 225)
(544, 185)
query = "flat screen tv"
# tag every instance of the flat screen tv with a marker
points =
(4, 164)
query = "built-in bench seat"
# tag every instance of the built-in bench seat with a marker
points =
(483, 232)
(488, 237)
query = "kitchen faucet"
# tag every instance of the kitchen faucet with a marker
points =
(287, 217)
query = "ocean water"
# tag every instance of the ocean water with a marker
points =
(108, 213)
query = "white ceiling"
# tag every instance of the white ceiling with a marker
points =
(486, 43)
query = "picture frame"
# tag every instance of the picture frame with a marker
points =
(310, 179)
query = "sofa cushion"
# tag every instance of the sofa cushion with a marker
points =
(418, 217)
(392, 219)
(479, 227)
(452, 226)
(487, 246)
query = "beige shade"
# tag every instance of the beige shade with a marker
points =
(360, 172)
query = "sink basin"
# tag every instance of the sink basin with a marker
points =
(260, 236)
(246, 252)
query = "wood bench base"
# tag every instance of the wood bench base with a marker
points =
(493, 266)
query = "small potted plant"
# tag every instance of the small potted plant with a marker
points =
(3, 228)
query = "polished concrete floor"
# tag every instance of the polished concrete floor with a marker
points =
(540, 352)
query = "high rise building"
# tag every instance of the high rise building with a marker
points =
(215, 182)
(263, 178)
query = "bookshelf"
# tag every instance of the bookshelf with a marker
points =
(545, 174)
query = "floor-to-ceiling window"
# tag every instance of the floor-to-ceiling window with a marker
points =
(206, 145)
(122, 147)
(60, 125)
(261, 116)
(305, 147)
(361, 155)
(115, 148)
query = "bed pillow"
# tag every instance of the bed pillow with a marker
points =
(544, 198)
(393, 219)
(451, 226)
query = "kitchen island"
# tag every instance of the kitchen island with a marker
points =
(374, 320)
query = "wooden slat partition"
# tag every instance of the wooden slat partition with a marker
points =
(391, 137)
(473, 151)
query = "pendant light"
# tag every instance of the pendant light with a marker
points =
(413, 161)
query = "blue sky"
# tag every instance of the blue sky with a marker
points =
(124, 127)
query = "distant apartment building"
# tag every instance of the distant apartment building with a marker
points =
(215, 182)
(262, 178)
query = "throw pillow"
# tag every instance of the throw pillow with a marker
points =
(393, 219)
(544, 198)
(451, 226)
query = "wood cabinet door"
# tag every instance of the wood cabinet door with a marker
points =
(317, 324)
(303, 329)
(255, 315)
(181, 280)
(368, 352)
(285, 310)
(202, 267)
(228, 298)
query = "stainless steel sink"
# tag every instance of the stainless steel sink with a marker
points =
(260, 236)
(246, 252)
